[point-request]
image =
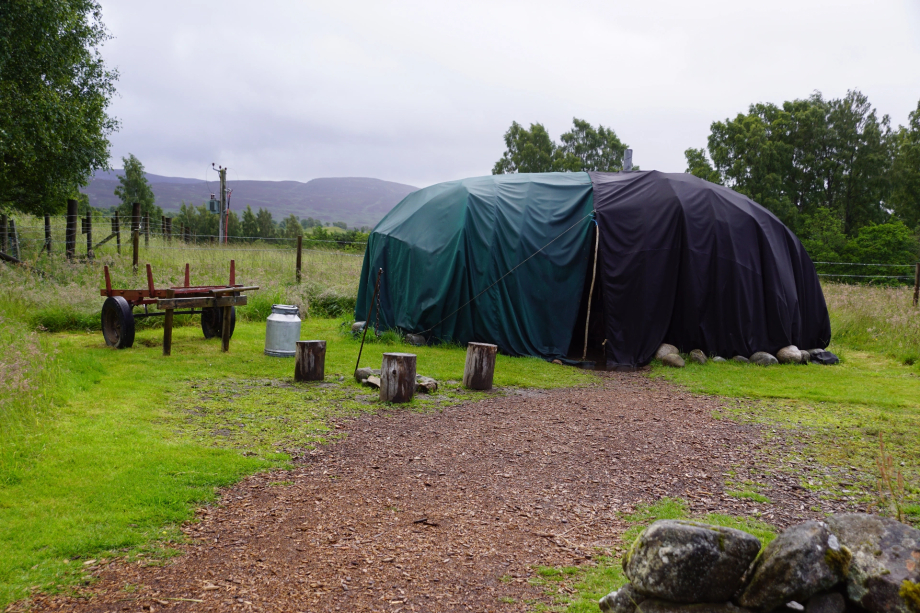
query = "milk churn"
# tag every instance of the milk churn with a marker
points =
(282, 331)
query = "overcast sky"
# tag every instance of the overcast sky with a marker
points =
(422, 92)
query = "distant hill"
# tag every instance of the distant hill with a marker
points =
(355, 200)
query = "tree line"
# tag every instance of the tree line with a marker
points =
(254, 225)
(832, 170)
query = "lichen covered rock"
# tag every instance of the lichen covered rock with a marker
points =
(803, 561)
(884, 574)
(663, 606)
(698, 356)
(623, 600)
(830, 602)
(689, 562)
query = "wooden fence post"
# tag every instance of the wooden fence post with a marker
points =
(480, 366)
(169, 229)
(70, 234)
(88, 231)
(47, 245)
(917, 284)
(163, 227)
(136, 216)
(310, 361)
(15, 249)
(116, 230)
(135, 243)
(299, 255)
(3, 233)
(397, 377)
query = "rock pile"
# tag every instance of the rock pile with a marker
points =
(670, 356)
(371, 378)
(854, 562)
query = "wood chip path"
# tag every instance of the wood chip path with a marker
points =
(452, 510)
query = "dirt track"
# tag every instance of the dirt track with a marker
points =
(451, 511)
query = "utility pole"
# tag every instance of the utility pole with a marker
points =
(223, 205)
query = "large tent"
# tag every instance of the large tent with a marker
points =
(509, 260)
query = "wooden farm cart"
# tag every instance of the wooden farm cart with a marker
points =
(215, 303)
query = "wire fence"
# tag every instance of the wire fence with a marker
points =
(868, 272)
(324, 270)
(96, 236)
(100, 235)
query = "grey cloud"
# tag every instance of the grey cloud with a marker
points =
(420, 92)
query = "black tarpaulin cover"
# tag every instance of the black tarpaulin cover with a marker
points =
(700, 266)
(681, 261)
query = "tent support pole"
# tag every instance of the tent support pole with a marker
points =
(370, 309)
(597, 239)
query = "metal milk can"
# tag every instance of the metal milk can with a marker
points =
(282, 331)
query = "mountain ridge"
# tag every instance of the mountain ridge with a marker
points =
(358, 201)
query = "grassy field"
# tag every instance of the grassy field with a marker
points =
(64, 295)
(106, 453)
(839, 412)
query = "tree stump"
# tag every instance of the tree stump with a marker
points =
(480, 366)
(310, 361)
(397, 377)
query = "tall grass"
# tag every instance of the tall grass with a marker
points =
(872, 318)
(27, 373)
(57, 294)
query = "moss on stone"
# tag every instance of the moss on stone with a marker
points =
(910, 592)
(839, 560)
(629, 552)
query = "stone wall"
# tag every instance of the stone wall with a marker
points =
(852, 562)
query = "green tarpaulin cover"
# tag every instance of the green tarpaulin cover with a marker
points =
(454, 242)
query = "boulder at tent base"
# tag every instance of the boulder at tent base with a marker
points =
(504, 259)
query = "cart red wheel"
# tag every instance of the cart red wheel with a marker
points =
(212, 321)
(117, 323)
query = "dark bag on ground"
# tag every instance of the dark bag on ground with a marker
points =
(824, 357)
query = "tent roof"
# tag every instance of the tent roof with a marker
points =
(503, 259)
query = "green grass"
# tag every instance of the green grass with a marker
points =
(576, 589)
(64, 295)
(748, 494)
(837, 411)
(106, 453)
(131, 441)
(878, 319)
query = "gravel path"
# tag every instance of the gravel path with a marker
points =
(451, 511)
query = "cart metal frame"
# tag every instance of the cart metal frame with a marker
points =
(217, 305)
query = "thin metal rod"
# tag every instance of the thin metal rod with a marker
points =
(367, 321)
(162, 313)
